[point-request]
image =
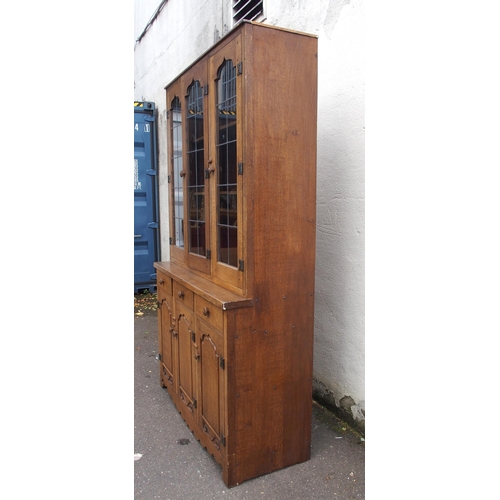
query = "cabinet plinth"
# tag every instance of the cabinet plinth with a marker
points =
(236, 300)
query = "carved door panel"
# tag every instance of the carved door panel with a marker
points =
(211, 364)
(167, 341)
(185, 336)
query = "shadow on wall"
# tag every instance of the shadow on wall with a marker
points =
(346, 409)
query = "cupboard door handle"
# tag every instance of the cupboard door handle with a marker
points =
(180, 294)
(206, 312)
(161, 281)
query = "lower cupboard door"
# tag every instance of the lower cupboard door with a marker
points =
(184, 320)
(167, 340)
(211, 366)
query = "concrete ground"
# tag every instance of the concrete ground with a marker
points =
(170, 464)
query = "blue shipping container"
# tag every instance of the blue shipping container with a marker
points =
(146, 232)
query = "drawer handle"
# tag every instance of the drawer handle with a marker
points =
(180, 294)
(206, 312)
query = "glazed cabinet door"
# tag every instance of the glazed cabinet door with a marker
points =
(226, 155)
(211, 365)
(188, 175)
(177, 172)
(197, 178)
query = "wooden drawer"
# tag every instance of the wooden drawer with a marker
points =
(183, 295)
(208, 312)
(164, 284)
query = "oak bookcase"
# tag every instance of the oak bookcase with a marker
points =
(236, 299)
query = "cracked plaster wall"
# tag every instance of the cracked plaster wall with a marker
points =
(184, 30)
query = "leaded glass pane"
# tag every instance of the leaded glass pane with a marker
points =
(177, 182)
(195, 156)
(227, 230)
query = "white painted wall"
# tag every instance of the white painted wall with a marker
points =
(187, 28)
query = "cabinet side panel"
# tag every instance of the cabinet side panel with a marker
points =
(259, 402)
(281, 153)
(273, 354)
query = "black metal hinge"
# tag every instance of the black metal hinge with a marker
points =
(168, 114)
(193, 337)
(171, 241)
(240, 68)
(240, 168)
(195, 404)
(223, 440)
(241, 265)
(206, 89)
(168, 177)
(209, 254)
(158, 357)
(222, 363)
